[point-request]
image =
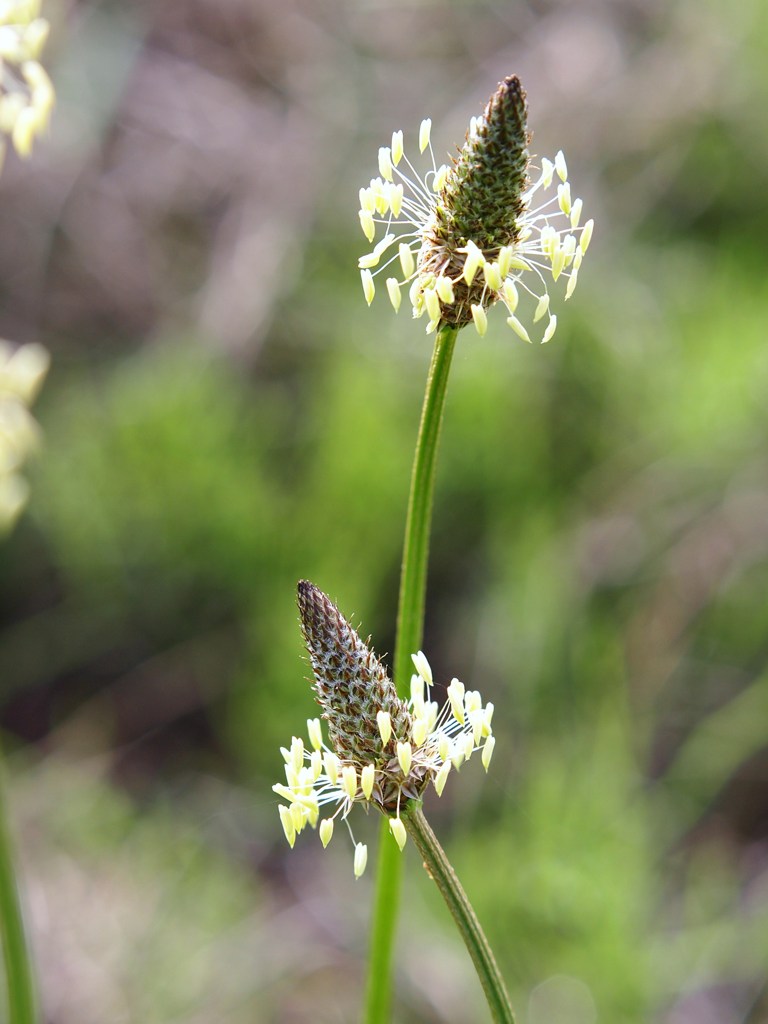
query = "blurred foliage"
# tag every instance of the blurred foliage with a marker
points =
(224, 417)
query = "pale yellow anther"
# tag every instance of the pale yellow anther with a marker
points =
(518, 328)
(560, 165)
(511, 297)
(385, 163)
(457, 756)
(456, 697)
(488, 746)
(547, 171)
(571, 286)
(475, 717)
(397, 147)
(422, 666)
(297, 753)
(518, 263)
(569, 248)
(284, 791)
(367, 200)
(487, 717)
(430, 714)
(505, 259)
(564, 197)
(396, 199)
(326, 831)
(586, 235)
(578, 258)
(551, 328)
(35, 37)
(468, 744)
(313, 814)
(349, 781)
(315, 731)
(367, 779)
(404, 756)
(472, 701)
(432, 326)
(393, 290)
(361, 859)
(493, 276)
(287, 822)
(424, 133)
(331, 765)
(316, 764)
(558, 262)
(441, 777)
(472, 263)
(298, 816)
(406, 260)
(397, 828)
(432, 302)
(304, 781)
(419, 731)
(384, 722)
(443, 747)
(24, 131)
(379, 191)
(441, 175)
(576, 212)
(548, 240)
(371, 259)
(541, 307)
(286, 754)
(444, 288)
(369, 288)
(480, 319)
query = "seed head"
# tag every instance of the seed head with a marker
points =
(473, 234)
(383, 750)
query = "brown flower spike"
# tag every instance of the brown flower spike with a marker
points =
(477, 231)
(382, 750)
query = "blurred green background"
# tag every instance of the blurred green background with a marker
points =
(224, 416)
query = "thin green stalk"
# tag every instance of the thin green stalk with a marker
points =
(18, 970)
(410, 630)
(439, 868)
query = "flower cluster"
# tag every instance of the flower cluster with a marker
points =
(477, 231)
(21, 373)
(26, 92)
(383, 750)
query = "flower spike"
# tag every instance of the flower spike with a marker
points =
(383, 751)
(481, 230)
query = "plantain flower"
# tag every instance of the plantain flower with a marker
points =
(478, 231)
(22, 371)
(26, 93)
(381, 750)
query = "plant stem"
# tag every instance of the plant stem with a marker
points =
(18, 970)
(439, 868)
(410, 630)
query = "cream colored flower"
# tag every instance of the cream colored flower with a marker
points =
(383, 750)
(26, 92)
(478, 231)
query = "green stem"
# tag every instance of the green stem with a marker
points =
(410, 630)
(439, 868)
(18, 970)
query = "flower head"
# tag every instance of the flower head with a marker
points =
(21, 373)
(26, 92)
(383, 750)
(478, 231)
